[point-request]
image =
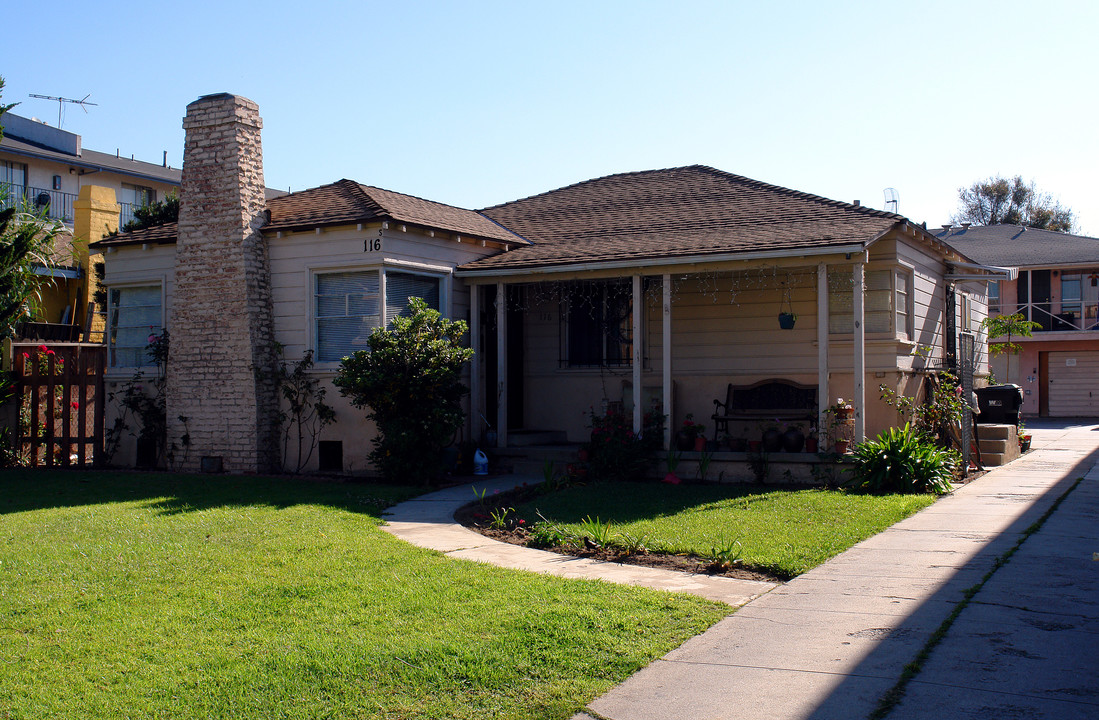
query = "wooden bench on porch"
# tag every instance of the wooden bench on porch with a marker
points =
(766, 400)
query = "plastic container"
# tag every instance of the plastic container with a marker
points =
(999, 404)
(480, 463)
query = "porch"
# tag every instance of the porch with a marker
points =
(553, 351)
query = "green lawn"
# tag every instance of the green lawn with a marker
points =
(780, 530)
(152, 595)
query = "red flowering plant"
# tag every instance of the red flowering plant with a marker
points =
(616, 452)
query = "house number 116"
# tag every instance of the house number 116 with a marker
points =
(372, 245)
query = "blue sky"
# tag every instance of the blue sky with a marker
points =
(477, 103)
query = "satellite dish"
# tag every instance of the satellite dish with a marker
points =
(892, 200)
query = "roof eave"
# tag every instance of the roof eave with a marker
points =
(643, 263)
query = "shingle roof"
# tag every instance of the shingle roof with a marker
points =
(1016, 246)
(160, 235)
(346, 201)
(94, 160)
(694, 210)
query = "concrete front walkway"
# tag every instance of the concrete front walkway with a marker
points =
(428, 522)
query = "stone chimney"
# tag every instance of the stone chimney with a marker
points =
(95, 213)
(222, 356)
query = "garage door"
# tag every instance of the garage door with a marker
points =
(1073, 384)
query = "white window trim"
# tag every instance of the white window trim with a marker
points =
(160, 281)
(442, 273)
(892, 269)
(909, 331)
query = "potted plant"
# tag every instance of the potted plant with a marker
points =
(671, 462)
(811, 440)
(786, 316)
(1024, 437)
(691, 436)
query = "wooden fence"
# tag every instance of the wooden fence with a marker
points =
(59, 402)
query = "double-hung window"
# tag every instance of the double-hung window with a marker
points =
(133, 315)
(347, 306)
(887, 302)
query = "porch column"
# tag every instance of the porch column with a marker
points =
(475, 394)
(638, 313)
(822, 346)
(666, 287)
(501, 366)
(858, 273)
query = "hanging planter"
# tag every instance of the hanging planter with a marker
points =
(786, 316)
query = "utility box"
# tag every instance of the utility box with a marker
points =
(999, 404)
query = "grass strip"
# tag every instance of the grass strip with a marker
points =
(895, 694)
(784, 531)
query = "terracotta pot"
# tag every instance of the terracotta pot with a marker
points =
(700, 444)
(810, 444)
(841, 446)
(754, 445)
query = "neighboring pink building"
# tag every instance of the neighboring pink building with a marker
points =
(1057, 286)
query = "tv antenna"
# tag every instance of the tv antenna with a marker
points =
(892, 200)
(61, 103)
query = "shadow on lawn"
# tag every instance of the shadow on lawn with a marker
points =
(24, 489)
(648, 500)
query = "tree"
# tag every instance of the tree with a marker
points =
(161, 212)
(410, 383)
(1008, 326)
(4, 108)
(1003, 201)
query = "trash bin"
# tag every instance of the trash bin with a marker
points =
(999, 404)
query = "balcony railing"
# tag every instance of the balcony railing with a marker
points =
(1076, 315)
(56, 204)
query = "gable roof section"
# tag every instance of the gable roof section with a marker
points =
(347, 202)
(1016, 246)
(678, 212)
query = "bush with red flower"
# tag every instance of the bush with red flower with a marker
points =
(615, 452)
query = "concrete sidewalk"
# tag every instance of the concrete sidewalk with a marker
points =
(832, 642)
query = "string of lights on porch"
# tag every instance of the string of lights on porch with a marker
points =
(719, 286)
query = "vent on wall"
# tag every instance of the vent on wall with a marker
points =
(330, 455)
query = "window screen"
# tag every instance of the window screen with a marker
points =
(134, 314)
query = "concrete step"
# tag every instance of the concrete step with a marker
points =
(526, 438)
(993, 459)
(997, 432)
(993, 446)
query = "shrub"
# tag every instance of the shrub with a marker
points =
(615, 452)
(409, 381)
(900, 460)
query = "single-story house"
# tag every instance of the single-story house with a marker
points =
(656, 288)
(1053, 280)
